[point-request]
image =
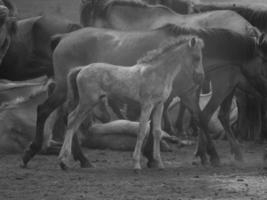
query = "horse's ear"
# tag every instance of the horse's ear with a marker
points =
(192, 42)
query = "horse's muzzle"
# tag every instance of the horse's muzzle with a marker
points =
(198, 77)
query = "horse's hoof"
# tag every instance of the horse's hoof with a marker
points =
(26, 157)
(86, 164)
(137, 171)
(239, 158)
(203, 157)
(63, 166)
(155, 165)
(215, 162)
(23, 165)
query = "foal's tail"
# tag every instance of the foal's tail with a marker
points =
(73, 94)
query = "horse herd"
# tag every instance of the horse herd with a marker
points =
(142, 55)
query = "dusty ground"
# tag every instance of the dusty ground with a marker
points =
(113, 177)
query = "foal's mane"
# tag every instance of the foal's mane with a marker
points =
(163, 48)
(219, 43)
(257, 18)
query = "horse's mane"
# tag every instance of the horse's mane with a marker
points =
(91, 9)
(257, 18)
(134, 3)
(179, 6)
(164, 47)
(219, 43)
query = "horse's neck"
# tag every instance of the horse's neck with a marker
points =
(167, 65)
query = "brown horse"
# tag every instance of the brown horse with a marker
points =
(135, 15)
(149, 82)
(227, 57)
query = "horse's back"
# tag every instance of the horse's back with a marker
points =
(90, 45)
(221, 18)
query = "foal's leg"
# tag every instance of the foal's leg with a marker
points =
(156, 125)
(74, 121)
(224, 116)
(43, 112)
(146, 110)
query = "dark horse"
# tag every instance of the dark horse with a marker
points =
(8, 26)
(228, 57)
(30, 55)
(250, 118)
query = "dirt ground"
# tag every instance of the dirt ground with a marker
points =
(113, 177)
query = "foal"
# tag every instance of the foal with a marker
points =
(149, 82)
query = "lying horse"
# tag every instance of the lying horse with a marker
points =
(135, 15)
(30, 55)
(119, 135)
(149, 82)
(227, 57)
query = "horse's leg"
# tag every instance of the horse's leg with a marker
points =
(179, 121)
(76, 147)
(224, 116)
(43, 112)
(75, 119)
(218, 96)
(115, 108)
(78, 154)
(167, 123)
(190, 101)
(144, 118)
(242, 123)
(156, 126)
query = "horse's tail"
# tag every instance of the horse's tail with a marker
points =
(15, 103)
(73, 94)
(89, 9)
(86, 9)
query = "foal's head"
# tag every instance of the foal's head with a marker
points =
(192, 56)
(184, 52)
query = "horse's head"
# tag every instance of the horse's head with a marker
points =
(8, 26)
(193, 59)
(256, 69)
